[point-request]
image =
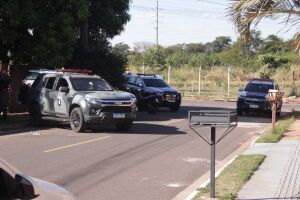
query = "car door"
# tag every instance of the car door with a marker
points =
(48, 96)
(61, 100)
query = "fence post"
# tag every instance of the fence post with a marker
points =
(228, 84)
(143, 68)
(169, 74)
(199, 83)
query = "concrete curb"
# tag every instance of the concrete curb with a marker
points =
(191, 191)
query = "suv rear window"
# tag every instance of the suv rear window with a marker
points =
(149, 82)
(258, 87)
(90, 84)
(32, 75)
(50, 83)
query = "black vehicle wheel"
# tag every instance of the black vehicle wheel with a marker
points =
(35, 115)
(124, 126)
(175, 108)
(278, 113)
(77, 120)
(151, 108)
(240, 112)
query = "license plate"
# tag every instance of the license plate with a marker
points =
(254, 106)
(118, 115)
(171, 100)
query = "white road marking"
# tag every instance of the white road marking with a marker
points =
(164, 123)
(251, 125)
(175, 185)
(76, 144)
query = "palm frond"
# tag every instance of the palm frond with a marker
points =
(244, 13)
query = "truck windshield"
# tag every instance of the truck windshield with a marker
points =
(254, 87)
(155, 83)
(90, 84)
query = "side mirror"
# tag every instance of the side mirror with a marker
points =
(64, 89)
(140, 85)
(25, 188)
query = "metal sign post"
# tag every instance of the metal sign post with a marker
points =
(275, 97)
(212, 118)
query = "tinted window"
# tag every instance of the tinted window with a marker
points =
(155, 83)
(256, 87)
(31, 75)
(61, 83)
(90, 84)
(131, 80)
(50, 82)
(139, 82)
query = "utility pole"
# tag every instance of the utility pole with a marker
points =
(156, 23)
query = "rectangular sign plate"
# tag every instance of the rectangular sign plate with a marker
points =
(254, 106)
(118, 115)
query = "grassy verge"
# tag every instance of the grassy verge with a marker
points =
(281, 127)
(234, 176)
(14, 121)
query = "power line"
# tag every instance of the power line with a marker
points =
(212, 2)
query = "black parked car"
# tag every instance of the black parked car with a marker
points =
(152, 92)
(254, 97)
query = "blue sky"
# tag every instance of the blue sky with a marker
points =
(186, 21)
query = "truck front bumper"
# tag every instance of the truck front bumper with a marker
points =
(110, 118)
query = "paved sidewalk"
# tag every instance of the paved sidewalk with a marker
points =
(279, 175)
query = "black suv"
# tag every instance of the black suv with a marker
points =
(254, 97)
(152, 92)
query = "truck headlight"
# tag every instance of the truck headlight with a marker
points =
(93, 101)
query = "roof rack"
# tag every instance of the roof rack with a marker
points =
(79, 71)
(262, 79)
(154, 75)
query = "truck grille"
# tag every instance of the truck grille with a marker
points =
(170, 96)
(116, 109)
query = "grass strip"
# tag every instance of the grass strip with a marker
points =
(234, 176)
(281, 127)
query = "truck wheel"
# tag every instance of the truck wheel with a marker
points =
(151, 108)
(175, 108)
(77, 120)
(240, 112)
(124, 126)
(35, 115)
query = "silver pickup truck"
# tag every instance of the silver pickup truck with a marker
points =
(82, 99)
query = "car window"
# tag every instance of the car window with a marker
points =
(31, 75)
(253, 87)
(50, 83)
(131, 80)
(139, 82)
(61, 83)
(155, 82)
(90, 84)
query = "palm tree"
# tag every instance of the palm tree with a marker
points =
(244, 13)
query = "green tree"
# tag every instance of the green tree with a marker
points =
(154, 58)
(122, 49)
(39, 32)
(221, 43)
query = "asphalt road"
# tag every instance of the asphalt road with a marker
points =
(157, 159)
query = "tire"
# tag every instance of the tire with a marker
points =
(278, 113)
(124, 126)
(77, 122)
(240, 112)
(151, 108)
(35, 115)
(175, 108)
